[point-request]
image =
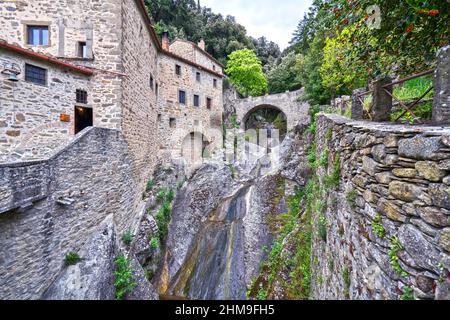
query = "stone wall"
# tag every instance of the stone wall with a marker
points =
(388, 222)
(98, 23)
(187, 118)
(139, 110)
(80, 187)
(30, 125)
(290, 103)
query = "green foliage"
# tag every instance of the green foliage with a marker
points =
(329, 135)
(186, 19)
(341, 71)
(124, 278)
(71, 258)
(323, 162)
(149, 274)
(333, 179)
(150, 185)
(262, 295)
(246, 74)
(408, 293)
(323, 227)
(163, 216)
(377, 226)
(346, 278)
(154, 243)
(127, 238)
(395, 247)
(330, 264)
(234, 122)
(284, 76)
(351, 197)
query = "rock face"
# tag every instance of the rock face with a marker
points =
(93, 277)
(398, 175)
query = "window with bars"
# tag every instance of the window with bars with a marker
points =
(35, 74)
(37, 35)
(81, 96)
(196, 100)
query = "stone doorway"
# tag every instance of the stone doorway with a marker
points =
(83, 118)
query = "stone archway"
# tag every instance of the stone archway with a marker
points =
(195, 148)
(266, 117)
(291, 104)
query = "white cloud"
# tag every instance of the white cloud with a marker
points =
(276, 20)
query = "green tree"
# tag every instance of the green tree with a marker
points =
(285, 75)
(341, 70)
(245, 72)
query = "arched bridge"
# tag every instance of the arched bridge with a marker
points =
(290, 103)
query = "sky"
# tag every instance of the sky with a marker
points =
(274, 19)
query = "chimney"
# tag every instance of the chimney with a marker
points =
(165, 41)
(201, 44)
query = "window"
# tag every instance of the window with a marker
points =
(151, 82)
(35, 74)
(198, 76)
(82, 50)
(214, 67)
(159, 117)
(178, 70)
(173, 122)
(208, 103)
(81, 96)
(215, 83)
(37, 35)
(182, 97)
(196, 100)
(156, 89)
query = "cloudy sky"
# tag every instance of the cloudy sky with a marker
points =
(274, 19)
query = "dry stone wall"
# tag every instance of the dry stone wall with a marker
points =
(56, 205)
(387, 225)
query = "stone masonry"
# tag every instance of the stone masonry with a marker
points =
(388, 222)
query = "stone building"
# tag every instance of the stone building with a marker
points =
(80, 64)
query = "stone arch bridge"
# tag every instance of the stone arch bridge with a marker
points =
(290, 103)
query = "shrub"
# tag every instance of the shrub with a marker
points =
(124, 277)
(377, 227)
(150, 185)
(323, 228)
(333, 180)
(408, 293)
(161, 194)
(323, 162)
(154, 243)
(395, 247)
(351, 197)
(127, 238)
(72, 258)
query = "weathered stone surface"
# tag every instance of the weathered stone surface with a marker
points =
(384, 177)
(419, 147)
(440, 195)
(390, 210)
(444, 239)
(443, 290)
(93, 277)
(404, 172)
(433, 216)
(369, 165)
(379, 152)
(430, 170)
(421, 250)
(391, 141)
(404, 191)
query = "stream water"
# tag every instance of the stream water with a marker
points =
(215, 263)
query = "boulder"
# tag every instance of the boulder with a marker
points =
(93, 277)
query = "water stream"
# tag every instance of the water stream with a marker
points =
(215, 263)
